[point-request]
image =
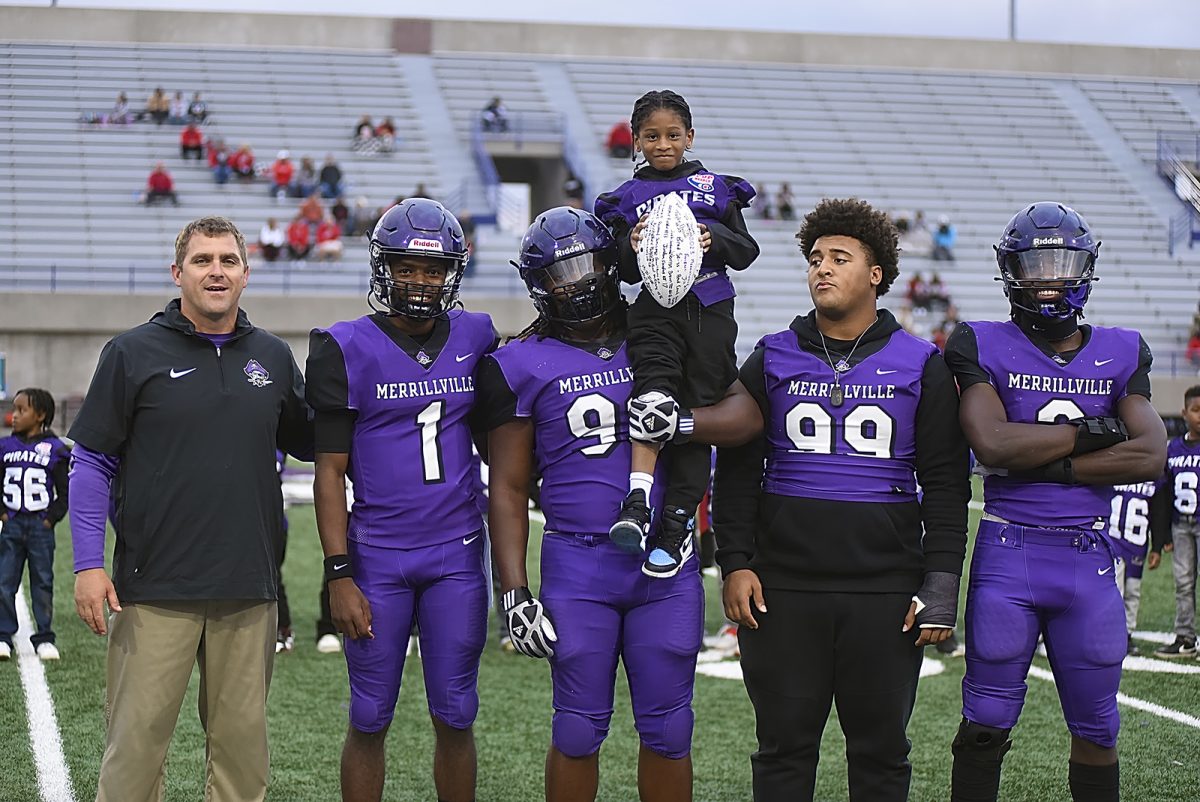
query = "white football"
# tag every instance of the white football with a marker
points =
(669, 253)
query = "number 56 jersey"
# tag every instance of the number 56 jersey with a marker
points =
(1038, 385)
(410, 402)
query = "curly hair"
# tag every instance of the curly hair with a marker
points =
(850, 217)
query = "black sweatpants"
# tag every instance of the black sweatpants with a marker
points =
(813, 649)
(687, 352)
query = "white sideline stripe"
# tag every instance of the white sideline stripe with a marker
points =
(732, 669)
(54, 781)
(1132, 701)
(536, 515)
(975, 505)
(1155, 637)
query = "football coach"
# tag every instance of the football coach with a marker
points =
(180, 424)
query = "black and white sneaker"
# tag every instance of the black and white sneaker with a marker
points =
(1180, 647)
(631, 528)
(672, 547)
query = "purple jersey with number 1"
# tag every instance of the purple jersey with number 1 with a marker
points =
(410, 460)
(1037, 388)
(863, 449)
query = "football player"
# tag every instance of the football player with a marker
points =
(555, 397)
(392, 393)
(1056, 413)
(1182, 480)
(834, 571)
(1130, 522)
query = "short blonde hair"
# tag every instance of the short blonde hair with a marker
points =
(209, 227)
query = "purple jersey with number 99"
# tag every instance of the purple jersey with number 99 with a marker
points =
(1035, 387)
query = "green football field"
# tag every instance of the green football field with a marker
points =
(1160, 737)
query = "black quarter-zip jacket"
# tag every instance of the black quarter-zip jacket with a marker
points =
(198, 506)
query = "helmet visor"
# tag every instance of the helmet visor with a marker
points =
(567, 271)
(1049, 264)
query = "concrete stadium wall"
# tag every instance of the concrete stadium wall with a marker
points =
(21, 23)
(53, 341)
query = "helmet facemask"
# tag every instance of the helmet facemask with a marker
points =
(577, 289)
(413, 299)
(1066, 272)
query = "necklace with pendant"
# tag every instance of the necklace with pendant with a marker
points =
(837, 396)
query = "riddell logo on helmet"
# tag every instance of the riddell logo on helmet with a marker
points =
(425, 244)
(576, 247)
(1042, 242)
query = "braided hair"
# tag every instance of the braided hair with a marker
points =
(541, 326)
(42, 403)
(651, 102)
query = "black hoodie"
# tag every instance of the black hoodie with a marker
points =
(817, 544)
(198, 503)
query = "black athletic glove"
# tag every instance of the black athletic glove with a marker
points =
(937, 601)
(1060, 471)
(1096, 433)
(529, 626)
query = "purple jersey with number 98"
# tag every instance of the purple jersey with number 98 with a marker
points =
(862, 449)
(1037, 388)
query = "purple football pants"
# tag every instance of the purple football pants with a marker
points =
(445, 587)
(603, 608)
(1057, 582)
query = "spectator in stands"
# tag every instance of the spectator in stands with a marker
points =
(218, 160)
(120, 112)
(917, 293)
(311, 209)
(160, 186)
(306, 178)
(271, 239)
(944, 237)
(785, 203)
(1193, 350)
(494, 116)
(620, 140)
(939, 298)
(363, 218)
(242, 162)
(917, 240)
(329, 240)
(763, 204)
(385, 135)
(191, 142)
(178, 113)
(419, 192)
(299, 238)
(282, 171)
(573, 191)
(331, 177)
(158, 106)
(363, 138)
(341, 215)
(197, 109)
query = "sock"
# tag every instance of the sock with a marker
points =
(641, 481)
(1094, 783)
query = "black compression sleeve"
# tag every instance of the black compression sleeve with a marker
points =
(334, 430)
(942, 469)
(962, 357)
(737, 486)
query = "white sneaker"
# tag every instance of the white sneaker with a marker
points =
(47, 651)
(5, 651)
(329, 644)
(724, 642)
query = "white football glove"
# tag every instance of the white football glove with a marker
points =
(653, 417)
(529, 625)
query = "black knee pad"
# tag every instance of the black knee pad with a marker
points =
(977, 741)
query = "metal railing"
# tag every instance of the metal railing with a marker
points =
(1178, 158)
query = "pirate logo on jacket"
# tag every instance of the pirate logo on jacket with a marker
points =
(256, 374)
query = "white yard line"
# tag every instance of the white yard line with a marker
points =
(1132, 701)
(54, 781)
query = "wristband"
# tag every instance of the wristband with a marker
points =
(338, 567)
(516, 596)
(684, 428)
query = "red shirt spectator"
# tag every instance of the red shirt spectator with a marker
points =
(242, 162)
(299, 237)
(311, 210)
(191, 142)
(282, 170)
(620, 141)
(328, 230)
(160, 180)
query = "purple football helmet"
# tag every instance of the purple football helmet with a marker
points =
(417, 227)
(569, 264)
(1048, 247)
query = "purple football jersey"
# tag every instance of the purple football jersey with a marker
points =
(28, 485)
(861, 450)
(410, 459)
(707, 194)
(576, 400)
(1129, 518)
(1036, 388)
(1183, 474)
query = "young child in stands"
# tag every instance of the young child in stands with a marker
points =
(35, 500)
(687, 351)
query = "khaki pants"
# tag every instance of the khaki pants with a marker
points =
(151, 650)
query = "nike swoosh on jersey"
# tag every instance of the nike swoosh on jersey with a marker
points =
(461, 357)
(175, 374)
(884, 372)
(1102, 362)
(469, 540)
(1103, 571)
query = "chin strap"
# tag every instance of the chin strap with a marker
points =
(1049, 328)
